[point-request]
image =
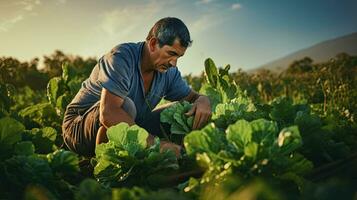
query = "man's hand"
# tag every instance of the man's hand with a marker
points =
(150, 140)
(201, 108)
(164, 145)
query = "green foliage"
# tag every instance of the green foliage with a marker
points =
(43, 139)
(21, 74)
(235, 187)
(24, 171)
(6, 100)
(38, 192)
(238, 108)
(90, 189)
(261, 143)
(131, 139)
(63, 162)
(53, 88)
(208, 140)
(195, 81)
(10, 133)
(250, 149)
(220, 87)
(289, 139)
(240, 134)
(126, 161)
(180, 123)
(137, 193)
(61, 90)
(40, 115)
(25, 97)
(334, 188)
(25, 148)
(54, 62)
(282, 111)
(21, 170)
(212, 73)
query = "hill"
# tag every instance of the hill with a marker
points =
(320, 52)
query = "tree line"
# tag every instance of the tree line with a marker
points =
(21, 74)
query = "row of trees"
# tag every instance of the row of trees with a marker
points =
(21, 74)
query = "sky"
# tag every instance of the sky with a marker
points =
(242, 33)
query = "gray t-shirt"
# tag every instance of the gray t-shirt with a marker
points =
(119, 72)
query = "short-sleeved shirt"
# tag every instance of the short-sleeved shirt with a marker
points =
(119, 71)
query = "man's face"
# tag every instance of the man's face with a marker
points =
(166, 56)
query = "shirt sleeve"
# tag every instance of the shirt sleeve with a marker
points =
(177, 86)
(115, 72)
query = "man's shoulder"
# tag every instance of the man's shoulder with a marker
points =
(125, 54)
(129, 48)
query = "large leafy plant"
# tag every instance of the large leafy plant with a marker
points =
(10, 133)
(127, 160)
(180, 123)
(219, 86)
(21, 167)
(248, 149)
(61, 90)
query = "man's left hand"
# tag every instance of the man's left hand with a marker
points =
(201, 108)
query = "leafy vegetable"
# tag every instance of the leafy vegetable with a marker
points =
(220, 87)
(43, 139)
(126, 159)
(10, 133)
(248, 148)
(181, 124)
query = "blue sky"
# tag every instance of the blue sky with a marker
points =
(245, 33)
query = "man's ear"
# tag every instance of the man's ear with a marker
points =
(152, 44)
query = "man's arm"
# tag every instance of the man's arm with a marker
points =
(192, 96)
(201, 109)
(111, 111)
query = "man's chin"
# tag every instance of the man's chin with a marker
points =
(162, 69)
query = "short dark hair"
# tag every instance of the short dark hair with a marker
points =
(167, 29)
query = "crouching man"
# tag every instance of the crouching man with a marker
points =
(127, 83)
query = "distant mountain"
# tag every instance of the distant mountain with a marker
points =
(320, 52)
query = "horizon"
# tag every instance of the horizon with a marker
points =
(244, 34)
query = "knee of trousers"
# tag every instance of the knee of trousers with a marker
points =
(129, 107)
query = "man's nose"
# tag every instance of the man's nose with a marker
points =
(173, 62)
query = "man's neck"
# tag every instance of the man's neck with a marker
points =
(146, 66)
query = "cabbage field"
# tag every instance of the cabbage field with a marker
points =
(291, 135)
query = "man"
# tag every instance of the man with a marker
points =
(127, 83)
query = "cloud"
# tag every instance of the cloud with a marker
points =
(124, 22)
(7, 24)
(236, 6)
(28, 5)
(21, 9)
(61, 1)
(16, 19)
(205, 22)
(203, 1)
